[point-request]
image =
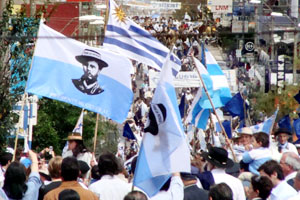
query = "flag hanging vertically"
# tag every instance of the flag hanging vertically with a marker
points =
(164, 139)
(236, 106)
(182, 106)
(285, 122)
(91, 78)
(128, 38)
(297, 97)
(127, 132)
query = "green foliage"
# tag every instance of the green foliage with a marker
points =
(57, 119)
(14, 65)
(267, 102)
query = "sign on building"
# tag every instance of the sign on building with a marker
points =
(237, 26)
(165, 5)
(220, 6)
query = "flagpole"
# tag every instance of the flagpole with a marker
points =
(96, 132)
(19, 125)
(214, 110)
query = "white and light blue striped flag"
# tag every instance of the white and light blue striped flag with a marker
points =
(128, 38)
(265, 126)
(164, 149)
(91, 78)
(219, 79)
(199, 112)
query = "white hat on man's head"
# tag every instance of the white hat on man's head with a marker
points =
(246, 131)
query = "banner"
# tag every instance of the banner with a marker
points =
(182, 80)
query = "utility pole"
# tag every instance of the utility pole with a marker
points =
(2, 6)
(295, 60)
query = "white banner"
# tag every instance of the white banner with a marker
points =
(231, 79)
(164, 5)
(182, 80)
(220, 6)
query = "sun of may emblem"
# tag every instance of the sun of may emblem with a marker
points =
(120, 14)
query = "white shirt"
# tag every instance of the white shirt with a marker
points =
(175, 191)
(290, 176)
(276, 155)
(235, 184)
(282, 191)
(297, 197)
(110, 188)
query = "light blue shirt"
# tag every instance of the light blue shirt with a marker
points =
(256, 157)
(33, 185)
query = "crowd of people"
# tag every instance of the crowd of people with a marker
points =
(267, 169)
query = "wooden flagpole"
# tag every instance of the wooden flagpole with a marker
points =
(214, 110)
(96, 133)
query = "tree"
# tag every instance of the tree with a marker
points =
(17, 33)
(267, 102)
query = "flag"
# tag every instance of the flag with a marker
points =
(128, 38)
(214, 94)
(77, 129)
(265, 126)
(91, 78)
(219, 79)
(79, 125)
(236, 106)
(182, 106)
(296, 125)
(227, 126)
(203, 54)
(285, 122)
(198, 115)
(297, 97)
(164, 149)
(127, 132)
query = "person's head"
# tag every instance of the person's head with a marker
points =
(246, 136)
(297, 181)
(84, 168)
(220, 192)
(290, 162)
(95, 172)
(92, 63)
(76, 144)
(108, 164)
(54, 167)
(217, 158)
(69, 169)
(272, 170)
(282, 135)
(261, 186)
(5, 158)
(14, 183)
(260, 139)
(68, 194)
(188, 178)
(135, 195)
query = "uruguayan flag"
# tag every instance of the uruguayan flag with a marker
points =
(265, 126)
(164, 149)
(91, 78)
(219, 79)
(128, 38)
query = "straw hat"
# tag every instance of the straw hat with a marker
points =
(246, 131)
(74, 136)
